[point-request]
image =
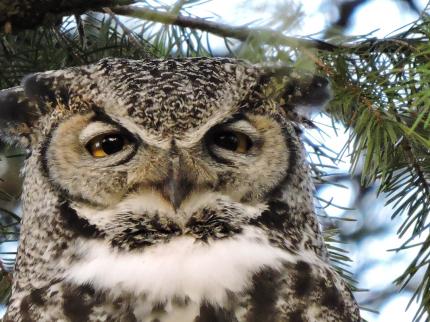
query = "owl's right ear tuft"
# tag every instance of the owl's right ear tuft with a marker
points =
(42, 88)
(300, 93)
(22, 106)
(17, 113)
(14, 105)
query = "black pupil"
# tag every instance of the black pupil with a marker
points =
(227, 140)
(112, 144)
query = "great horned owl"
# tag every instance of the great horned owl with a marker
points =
(165, 191)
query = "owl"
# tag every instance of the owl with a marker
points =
(167, 190)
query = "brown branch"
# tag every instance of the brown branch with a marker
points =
(27, 14)
(223, 30)
(267, 36)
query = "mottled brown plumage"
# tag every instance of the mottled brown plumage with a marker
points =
(167, 190)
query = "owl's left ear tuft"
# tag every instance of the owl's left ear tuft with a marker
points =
(299, 93)
(43, 88)
(305, 95)
(307, 91)
(14, 105)
(22, 106)
(17, 114)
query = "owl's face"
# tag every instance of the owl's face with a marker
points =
(160, 146)
(165, 190)
(103, 159)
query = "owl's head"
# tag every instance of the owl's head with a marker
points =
(123, 138)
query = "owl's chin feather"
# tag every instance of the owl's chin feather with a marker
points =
(144, 219)
(183, 267)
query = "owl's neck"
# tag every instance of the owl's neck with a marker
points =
(291, 208)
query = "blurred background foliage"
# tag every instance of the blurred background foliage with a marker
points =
(380, 108)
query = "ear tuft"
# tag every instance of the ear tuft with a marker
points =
(297, 88)
(36, 88)
(17, 114)
(44, 87)
(21, 106)
(14, 106)
(307, 91)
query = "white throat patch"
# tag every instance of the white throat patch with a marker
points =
(182, 267)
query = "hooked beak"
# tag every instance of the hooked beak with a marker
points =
(178, 185)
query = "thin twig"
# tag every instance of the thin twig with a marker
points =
(268, 36)
(125, 29)
(18, 15)
(220, 29)
(81, 31)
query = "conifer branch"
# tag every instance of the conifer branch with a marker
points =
(220, 29)
(27, 14)
(265, 35)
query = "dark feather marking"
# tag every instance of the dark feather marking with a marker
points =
(43, 159)
(332, 298)
(159, 308)
(130, 317)
(77, 224)
(208, 313)
(304, 283)
(295, 316)
(180, 301)
(78, 199)
(264, 296)
(79, 302)
(37, 296)
(274, 217)
(210, 225)
(140, 233)
(24, 309)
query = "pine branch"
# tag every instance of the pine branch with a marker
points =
(220, 29)
(30, 14)
(27, 14)
(124, 28)
(265, 35)
(79, 40)
(383, 96)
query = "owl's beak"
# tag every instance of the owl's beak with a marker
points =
(178, 184)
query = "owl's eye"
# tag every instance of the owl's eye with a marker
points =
(233, 141)
(107, 144)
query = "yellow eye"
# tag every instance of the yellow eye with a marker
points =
(233, 141)
(104, 145)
